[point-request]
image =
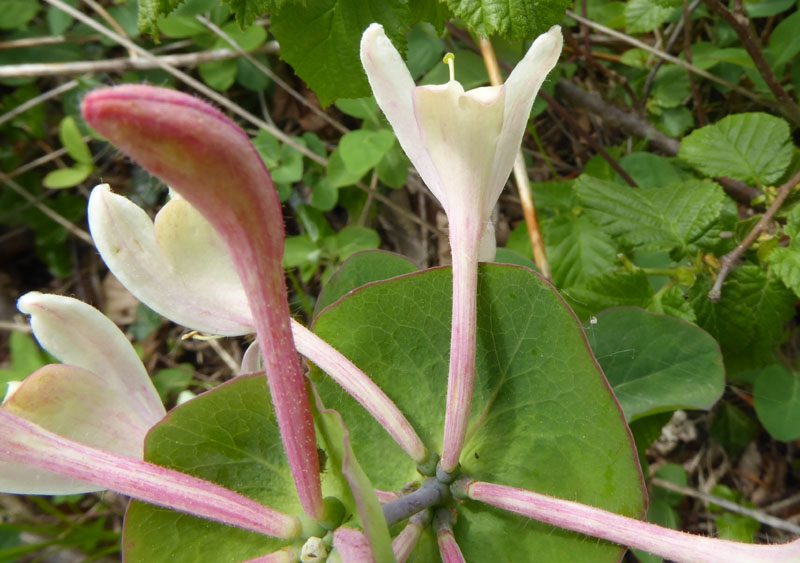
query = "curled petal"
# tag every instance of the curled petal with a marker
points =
(80, 335)
(178, 267)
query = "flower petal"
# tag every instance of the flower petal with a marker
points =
(392, 85)
(79, 405)
(80, 335)
(460, 132)
(352, 545)
(180, 267)
(521, 89)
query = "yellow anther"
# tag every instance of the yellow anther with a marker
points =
(450, 60)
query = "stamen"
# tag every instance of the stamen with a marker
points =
(449, 59)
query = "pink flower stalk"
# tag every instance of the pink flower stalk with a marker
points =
(27, 443)
(463, 144)
(210, 161)
(407, 539)
(448, 548)
(595, 522)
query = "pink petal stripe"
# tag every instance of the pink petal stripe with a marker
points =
(210, 161)
(666, 543)
(407, 539)
(24, 442)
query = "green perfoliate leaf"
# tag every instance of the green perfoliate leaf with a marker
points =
(675, 216)
(752, 147)
(360, 269)
(656, 363)
(513, 19)
(777, 400)
(542, 416)
(228, 436)
(321, 41)
(642, 16)
(748, 320)
(72, 140)
(630, 289)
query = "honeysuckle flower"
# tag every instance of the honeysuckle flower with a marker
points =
(463, 144)
(101, 396)
(210, 161)
(179, 267)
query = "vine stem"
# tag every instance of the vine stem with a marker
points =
(728, 261)
(595, 522)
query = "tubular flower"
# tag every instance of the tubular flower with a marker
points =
(463, 144)
(101, 396)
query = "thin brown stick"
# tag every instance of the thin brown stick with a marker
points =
(729, 260)
(121, 65)
(48, 40)
(271, 75)
(687, 50)
(55, 216)
(520, 174)
(669, 58)
(758, 515)
(41, 98)
(566, 116)
(740, 24)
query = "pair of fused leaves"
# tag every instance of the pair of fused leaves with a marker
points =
(543, 417)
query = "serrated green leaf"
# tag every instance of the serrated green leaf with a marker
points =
(513, 19)
(67, 177)
(601, 292)
(542, 417)
(642, 16)
(776, 395)
(673, 302)
(656, 363)
(577, 250)
(360, 269)
(321, 40)
(676, 216)
(785, 263)
(435, 13)
(748, 319)
(649, 170)
(752, 147)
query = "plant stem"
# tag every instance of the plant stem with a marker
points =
(431, 493)
(448, 548)
(729, 260)
(464, 247)
(595, 522)
(27, 443)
